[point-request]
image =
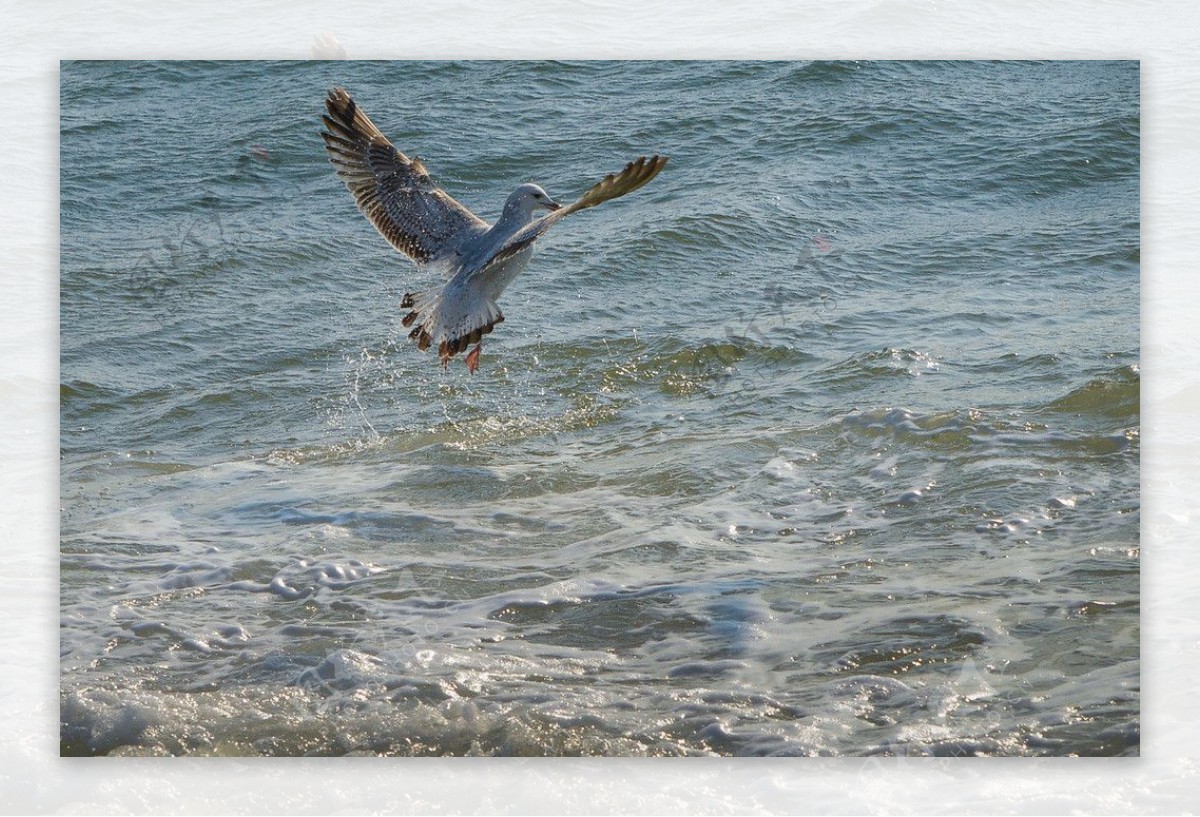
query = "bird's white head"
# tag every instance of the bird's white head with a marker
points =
(526, 199)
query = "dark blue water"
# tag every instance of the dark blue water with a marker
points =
(824, 442)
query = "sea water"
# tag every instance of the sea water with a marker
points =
(825, 442)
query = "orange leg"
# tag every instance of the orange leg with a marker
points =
(472, 358)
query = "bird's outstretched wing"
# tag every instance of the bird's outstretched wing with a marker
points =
(394, 192)
(614, 185)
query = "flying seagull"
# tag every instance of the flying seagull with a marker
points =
(422, 221)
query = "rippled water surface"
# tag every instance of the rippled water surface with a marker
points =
(826, 442)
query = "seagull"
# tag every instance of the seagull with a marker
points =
(421, 220)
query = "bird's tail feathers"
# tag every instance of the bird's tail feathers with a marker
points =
(453, 334)
(422, 305)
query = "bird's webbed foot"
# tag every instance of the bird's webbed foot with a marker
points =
(472, 358)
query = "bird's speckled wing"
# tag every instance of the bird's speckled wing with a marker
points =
(614, 185)
(394, 192)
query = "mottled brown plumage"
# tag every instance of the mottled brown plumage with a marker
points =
(394, 191)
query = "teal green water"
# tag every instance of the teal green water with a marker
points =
(824, 442)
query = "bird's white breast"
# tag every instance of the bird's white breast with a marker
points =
(497, 279)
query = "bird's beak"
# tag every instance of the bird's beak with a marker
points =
(552, 205)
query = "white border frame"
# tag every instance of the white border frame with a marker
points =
(33, 779)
